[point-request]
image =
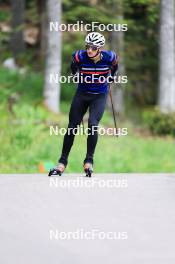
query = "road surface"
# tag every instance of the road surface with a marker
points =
(110, 218)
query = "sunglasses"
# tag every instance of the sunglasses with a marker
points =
(94, 48)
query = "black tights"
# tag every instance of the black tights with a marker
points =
(81, 102)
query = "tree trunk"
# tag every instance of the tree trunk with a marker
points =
(53, 57)
(117, 44)
(167, 57)
(17, 40)
(41, 4)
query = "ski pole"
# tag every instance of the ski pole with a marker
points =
(113, 112)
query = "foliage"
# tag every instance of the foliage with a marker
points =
(159, 123)
(24, 127)
(141, 46)
(141, 39)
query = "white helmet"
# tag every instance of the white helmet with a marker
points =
(95, 39)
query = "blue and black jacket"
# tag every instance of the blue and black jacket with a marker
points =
(108, 65)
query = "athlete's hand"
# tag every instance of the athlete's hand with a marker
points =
(110, 79)
(75, 77)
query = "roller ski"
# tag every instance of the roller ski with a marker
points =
(88, 169)
(58, 170)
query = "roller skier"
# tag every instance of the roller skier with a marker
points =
(93, 61)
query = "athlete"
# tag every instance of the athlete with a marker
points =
(94, 65)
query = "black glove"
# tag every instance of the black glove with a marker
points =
(111, 79)
(75, 77)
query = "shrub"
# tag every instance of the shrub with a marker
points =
(160, 123)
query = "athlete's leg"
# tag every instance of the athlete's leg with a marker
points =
(78, 109)
(96, 110)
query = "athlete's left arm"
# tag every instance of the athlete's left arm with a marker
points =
(114, 64)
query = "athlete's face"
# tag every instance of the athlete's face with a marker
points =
(92, 51)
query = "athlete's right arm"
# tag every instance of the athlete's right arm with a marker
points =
(75, 62)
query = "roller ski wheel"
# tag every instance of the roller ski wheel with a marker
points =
(88, 169)
(58, 170)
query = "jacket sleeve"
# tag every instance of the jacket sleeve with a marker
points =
(75, 62)
(114, 63)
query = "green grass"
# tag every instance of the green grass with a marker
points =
(25, 141)
(26, 146)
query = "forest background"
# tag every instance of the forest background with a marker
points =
(145, 105)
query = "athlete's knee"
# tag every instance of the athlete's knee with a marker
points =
(93, 126)
(72, 128)
(93, 122)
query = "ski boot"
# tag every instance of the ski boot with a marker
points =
(88, 169)
(58, 170)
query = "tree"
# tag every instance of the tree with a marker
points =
(53, 57)
(41, 8)
(17, 40)
(117, 44)
(167, 57)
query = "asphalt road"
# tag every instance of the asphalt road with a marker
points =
(110, 218)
